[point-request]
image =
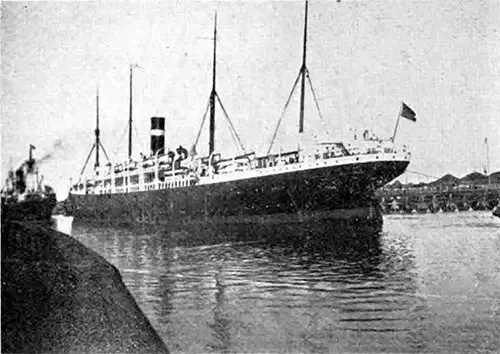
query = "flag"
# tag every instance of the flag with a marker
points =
(32, 147)
(408, 113)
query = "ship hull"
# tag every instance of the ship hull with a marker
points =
(324, 229)
(34, 210)
(335, 192)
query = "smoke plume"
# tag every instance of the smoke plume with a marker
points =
(56, 147)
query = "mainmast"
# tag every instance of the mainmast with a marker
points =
(303, 74)
(130, 118)
(211, 146)
(214, 96)
(97, 131)
(303, 71)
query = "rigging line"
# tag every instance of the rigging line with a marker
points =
(230, 123)
(317, 104)
(104, 150)
(202, 123)
(230, 130)
(141, 141)
(87, 161)
(234, 135)
(421, 174)
(235, 141)
(120, 140)
(284, 110)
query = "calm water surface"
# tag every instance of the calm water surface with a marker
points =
(432, 284)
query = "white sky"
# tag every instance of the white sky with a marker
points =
(365, 57)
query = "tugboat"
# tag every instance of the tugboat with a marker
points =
(25, 197)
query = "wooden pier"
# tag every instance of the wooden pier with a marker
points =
(438, 199)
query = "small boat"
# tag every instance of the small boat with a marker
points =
(24, 196)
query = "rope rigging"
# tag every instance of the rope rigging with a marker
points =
(202, 124)
(211, 106)
(303, 74)
(307, 75)
(234, 135)
(422, 174)
(317, 103)
(86, 162)
(104, 150)
(88, 158)
(120, 139)
(284, 110)
(232, 129)
(141, 141)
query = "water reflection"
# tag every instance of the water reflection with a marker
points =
(221, 323)
(319, 289)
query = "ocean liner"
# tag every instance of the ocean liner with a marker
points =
(24, 196)
(332, 179)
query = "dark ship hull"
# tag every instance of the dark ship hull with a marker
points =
(337, 192)
(244, 194)
(24, 197)
(36, 209)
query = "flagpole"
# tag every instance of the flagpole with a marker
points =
(397, 122)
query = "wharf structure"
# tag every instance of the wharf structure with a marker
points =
(447, 194)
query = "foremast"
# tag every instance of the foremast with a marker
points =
(97, 131)
(213, 98)
(97, 143)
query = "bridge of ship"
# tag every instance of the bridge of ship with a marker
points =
(164, 172)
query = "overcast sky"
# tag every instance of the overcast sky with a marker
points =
(440, 57)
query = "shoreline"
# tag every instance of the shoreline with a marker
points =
(60, 296)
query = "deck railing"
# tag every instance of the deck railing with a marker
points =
(105, 183)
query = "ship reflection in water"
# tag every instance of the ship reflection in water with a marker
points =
(428, 283)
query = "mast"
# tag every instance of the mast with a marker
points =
(303, 70)
(211, 146)
(487, 160)
(130, 118)
(97, 131)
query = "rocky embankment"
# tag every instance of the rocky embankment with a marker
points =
(59, 296)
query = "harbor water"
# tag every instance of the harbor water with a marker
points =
(430, 284)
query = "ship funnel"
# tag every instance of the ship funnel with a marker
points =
(157, 135)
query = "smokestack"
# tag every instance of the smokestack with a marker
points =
(157, 135)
